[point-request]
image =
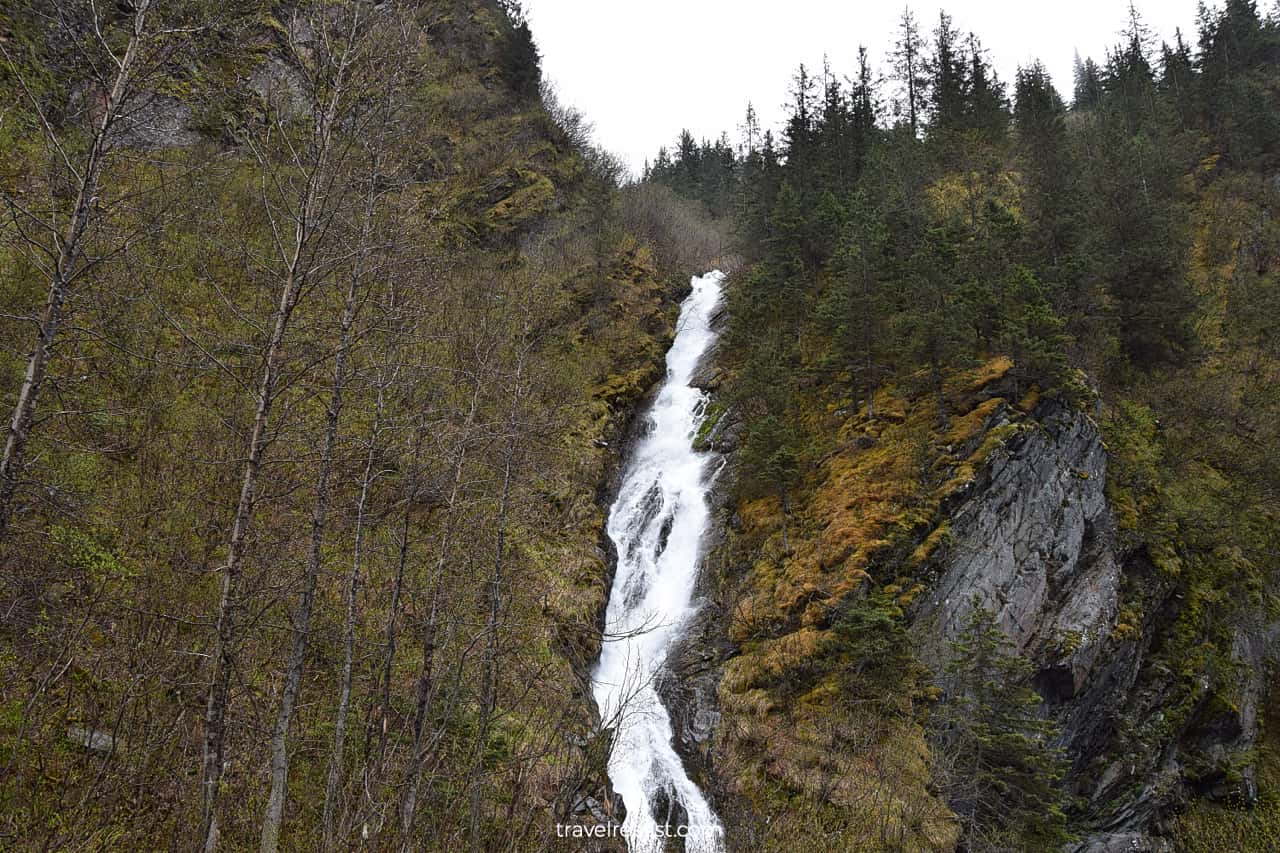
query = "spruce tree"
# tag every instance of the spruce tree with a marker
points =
(1001, 774)
(986, 111)
(1087, 91)
(857, 311)
(948, 86)
(863, 105)
(910, 71)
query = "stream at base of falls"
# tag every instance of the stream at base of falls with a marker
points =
(657, 524)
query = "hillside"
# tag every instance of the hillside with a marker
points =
(300, 535)
(995, 566)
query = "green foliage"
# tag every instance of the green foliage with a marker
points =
(1135, 455)
(1002, 775)
(1032, 333)
(873, 653)
(518, 57)
(703, 171)
(769, 457)
(858, 309)
(88, 557)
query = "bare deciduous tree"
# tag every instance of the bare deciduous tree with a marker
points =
(64, 245)
(318, 165)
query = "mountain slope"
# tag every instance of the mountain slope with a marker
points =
(997, 391)
(305, 545)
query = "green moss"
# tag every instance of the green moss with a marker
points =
(1069, 642)
(715, 411)
(1208, 827)
(528, 201)
(940, 536)
(623, 388)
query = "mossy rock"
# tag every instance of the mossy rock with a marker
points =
(526, 203)
(715, 413)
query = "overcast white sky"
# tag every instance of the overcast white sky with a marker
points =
(641, 71)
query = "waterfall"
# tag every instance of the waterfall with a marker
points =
(656, 524)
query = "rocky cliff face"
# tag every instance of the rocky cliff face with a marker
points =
(1034, 541)
(1032, 538)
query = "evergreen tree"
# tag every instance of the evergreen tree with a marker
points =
(798, 132)
(934, 317)
(1134, 164)
(1129, 78)
(863, 105)
(910, 71)
(761, 181)
(705, 171)
(1052, 178)
(948, 86)
(1238, 55)
(686, 171)
(750, 133)
(521, 63)
(1177, 76)
(1032, 333)
(1087, 91)
(837, 149)
(857, 311)
(786, 240)
(1002, 775)
(987, 110)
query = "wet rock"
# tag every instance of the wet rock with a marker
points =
(669, 812)
(689, 683)
(590, 806)
(707, 376)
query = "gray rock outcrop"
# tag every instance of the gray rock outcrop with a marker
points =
(1032, 541)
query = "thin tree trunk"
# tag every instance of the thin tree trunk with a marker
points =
(489, 664)
(225, 651)
(307, 227)
(302, 624)
(70, 251)
(425, 693)
(349, 636)
(785, 506)
(866, 340)
(935, 379)
(382, 708)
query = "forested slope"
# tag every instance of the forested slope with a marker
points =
(999, 390)
(320, 327)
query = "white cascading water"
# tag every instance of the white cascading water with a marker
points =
(657, 524)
